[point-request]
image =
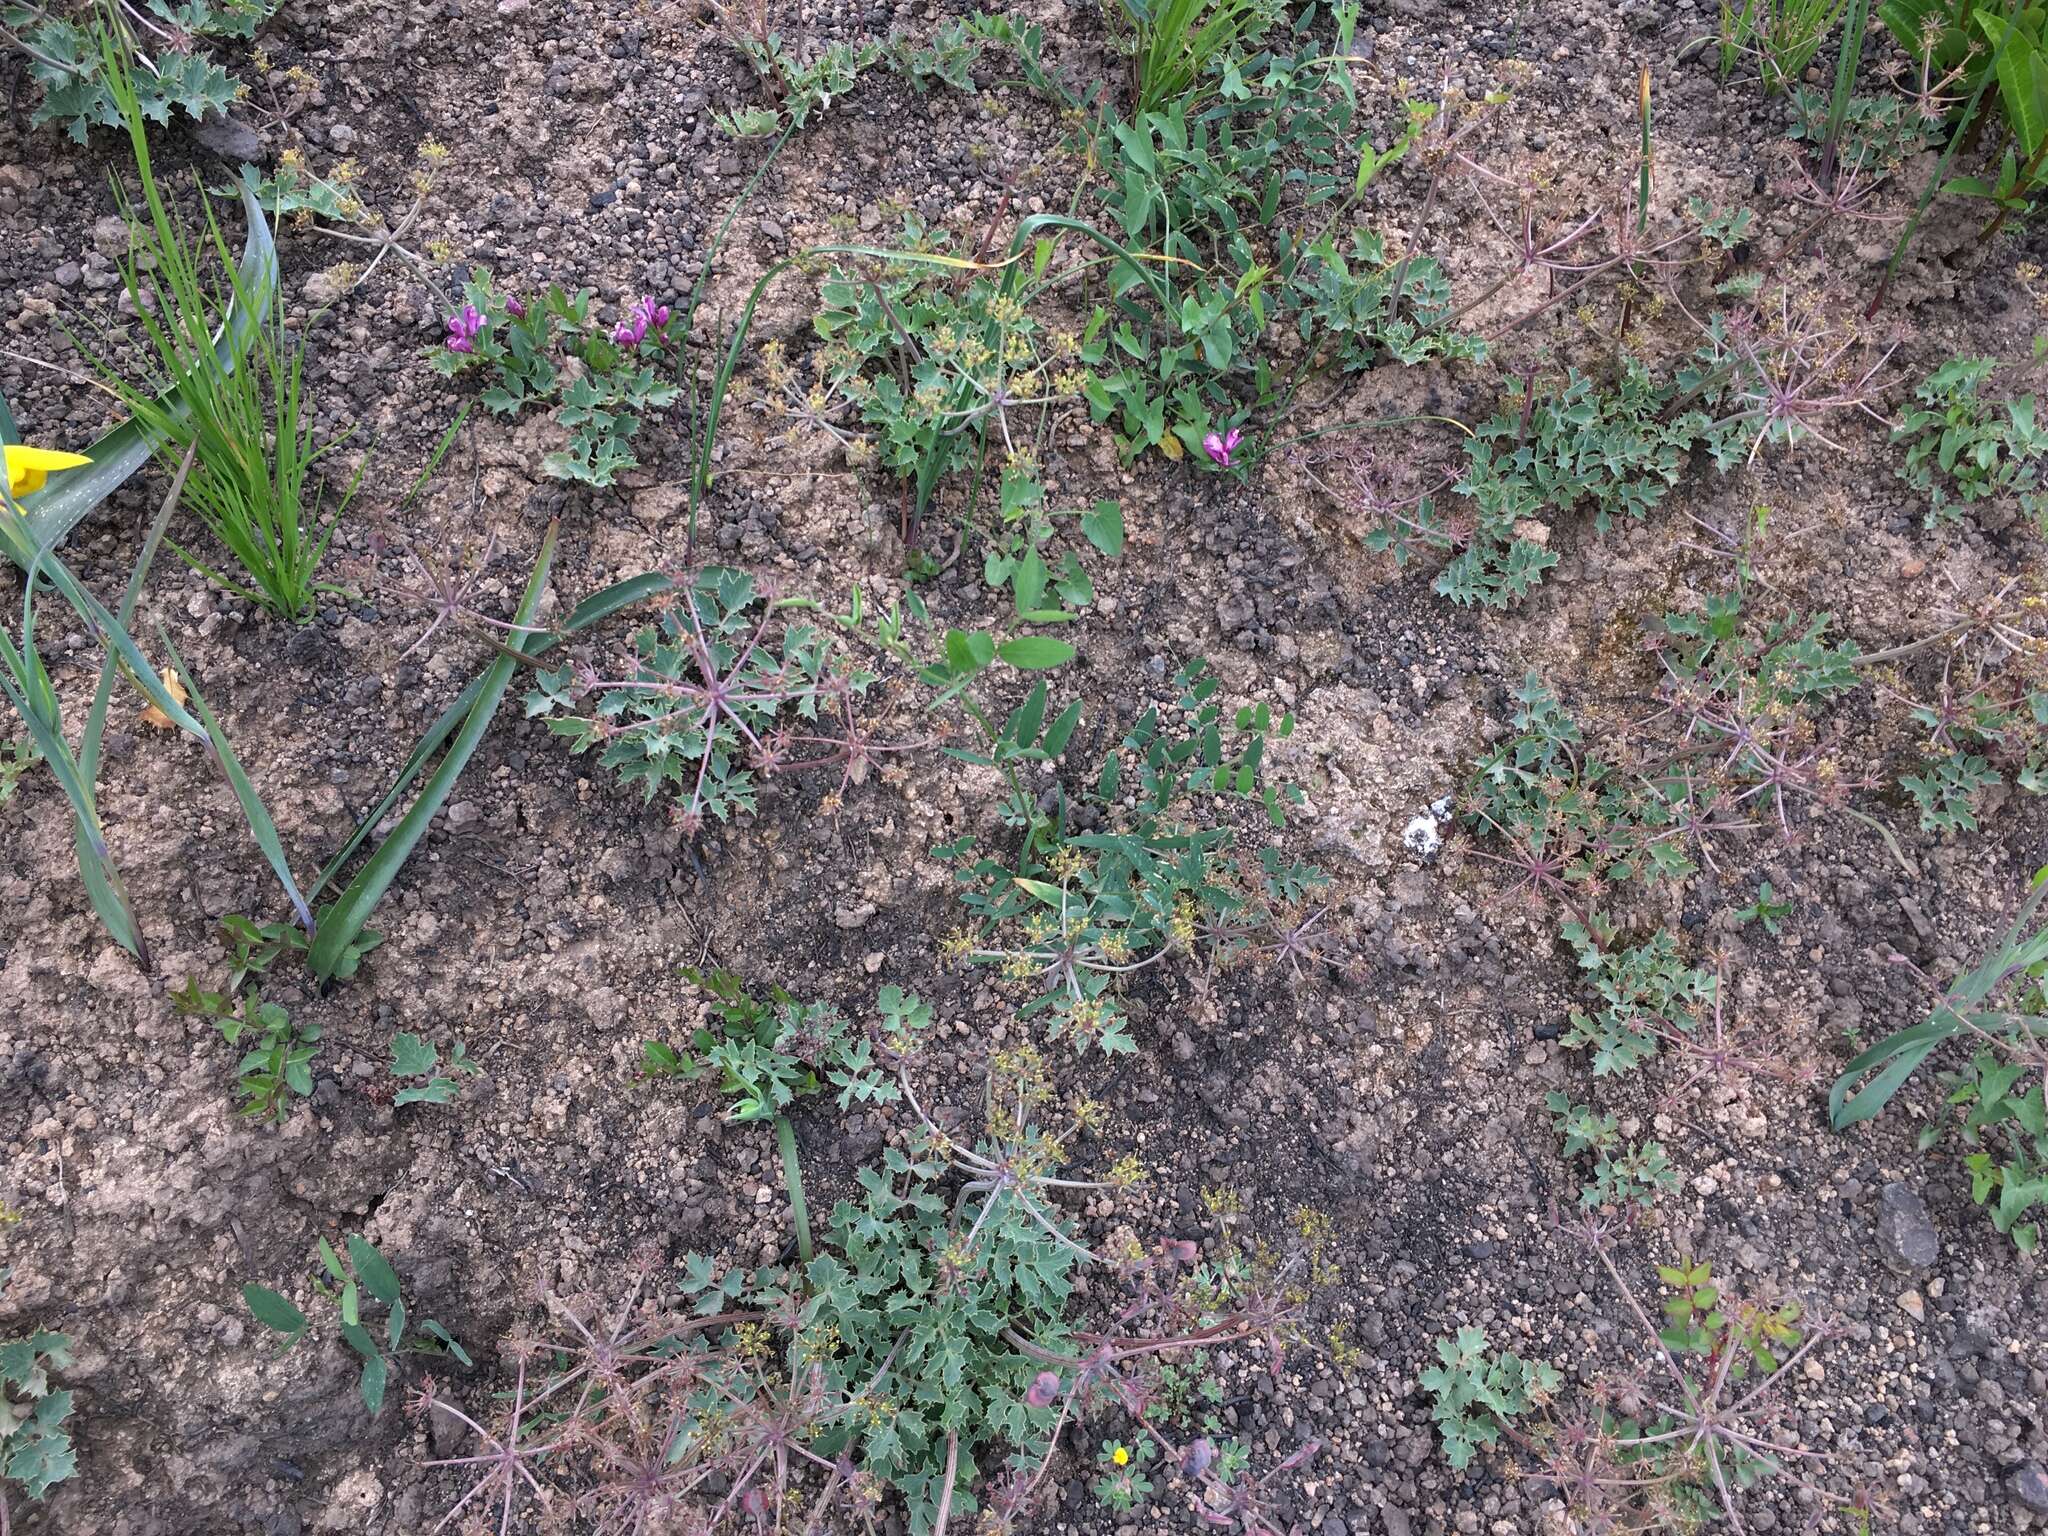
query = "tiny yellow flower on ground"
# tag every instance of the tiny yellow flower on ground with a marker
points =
(28, 468)
(1120, 1456)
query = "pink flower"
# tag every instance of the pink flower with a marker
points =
(514, 308)
(645, 316)
(1044, 1388)
(464, 328)
(1220, 445)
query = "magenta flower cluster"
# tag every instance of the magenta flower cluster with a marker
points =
(1220, 446)
(464, 328)
(644, 316)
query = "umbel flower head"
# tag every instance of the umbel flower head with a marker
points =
(28, 468)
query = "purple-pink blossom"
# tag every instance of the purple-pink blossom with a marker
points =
(1044, 1388)
(464, 328)
(1219, 446)
(644, 316)
(514, 308)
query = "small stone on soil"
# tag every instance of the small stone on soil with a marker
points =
(1906, 1238)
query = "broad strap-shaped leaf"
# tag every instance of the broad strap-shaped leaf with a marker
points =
(2018, 81)
(345, 920)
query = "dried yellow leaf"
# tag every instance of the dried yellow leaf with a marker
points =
(1170, 446)
(156, 717)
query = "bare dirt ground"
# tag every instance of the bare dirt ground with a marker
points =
(545, 921)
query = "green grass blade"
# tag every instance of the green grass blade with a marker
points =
(700, 481)
(19, 672)
(1846, 65)
(261, 827)
(111, 632)
(56, 509)
(1940, 177)
(103, 695)
(793, 1181)
(344, 921)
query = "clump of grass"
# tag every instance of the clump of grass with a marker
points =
(255, 482)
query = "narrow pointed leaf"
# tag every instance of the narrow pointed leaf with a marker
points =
(344, 921)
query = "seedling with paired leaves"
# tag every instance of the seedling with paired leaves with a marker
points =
(367, 1278)
(1766, 909)
(429, 1079)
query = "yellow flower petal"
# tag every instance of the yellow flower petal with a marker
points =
(28, 468)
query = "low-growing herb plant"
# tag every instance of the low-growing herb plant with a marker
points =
(1774, 365)
(1046, 586)
(801, 78)
(367, 1278)
(1647, 993)
(1994, 1107)
(724, 690)
(176, 69)
(278, 1063)
(1478, 1392)
(1550, 452)
(1877, 133)
(1569, 819)
(601, 382)
(1674, 1450)
(1114, 887)
(428, 1079)
(1958, 451)
(35, 1440)
(1984, 712)
(921, 379)
(927, 1353)
(765, 1056)
(1625, 1173)
(1739, 742)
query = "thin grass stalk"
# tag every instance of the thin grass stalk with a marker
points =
(1948, 156)
(1846, 65)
